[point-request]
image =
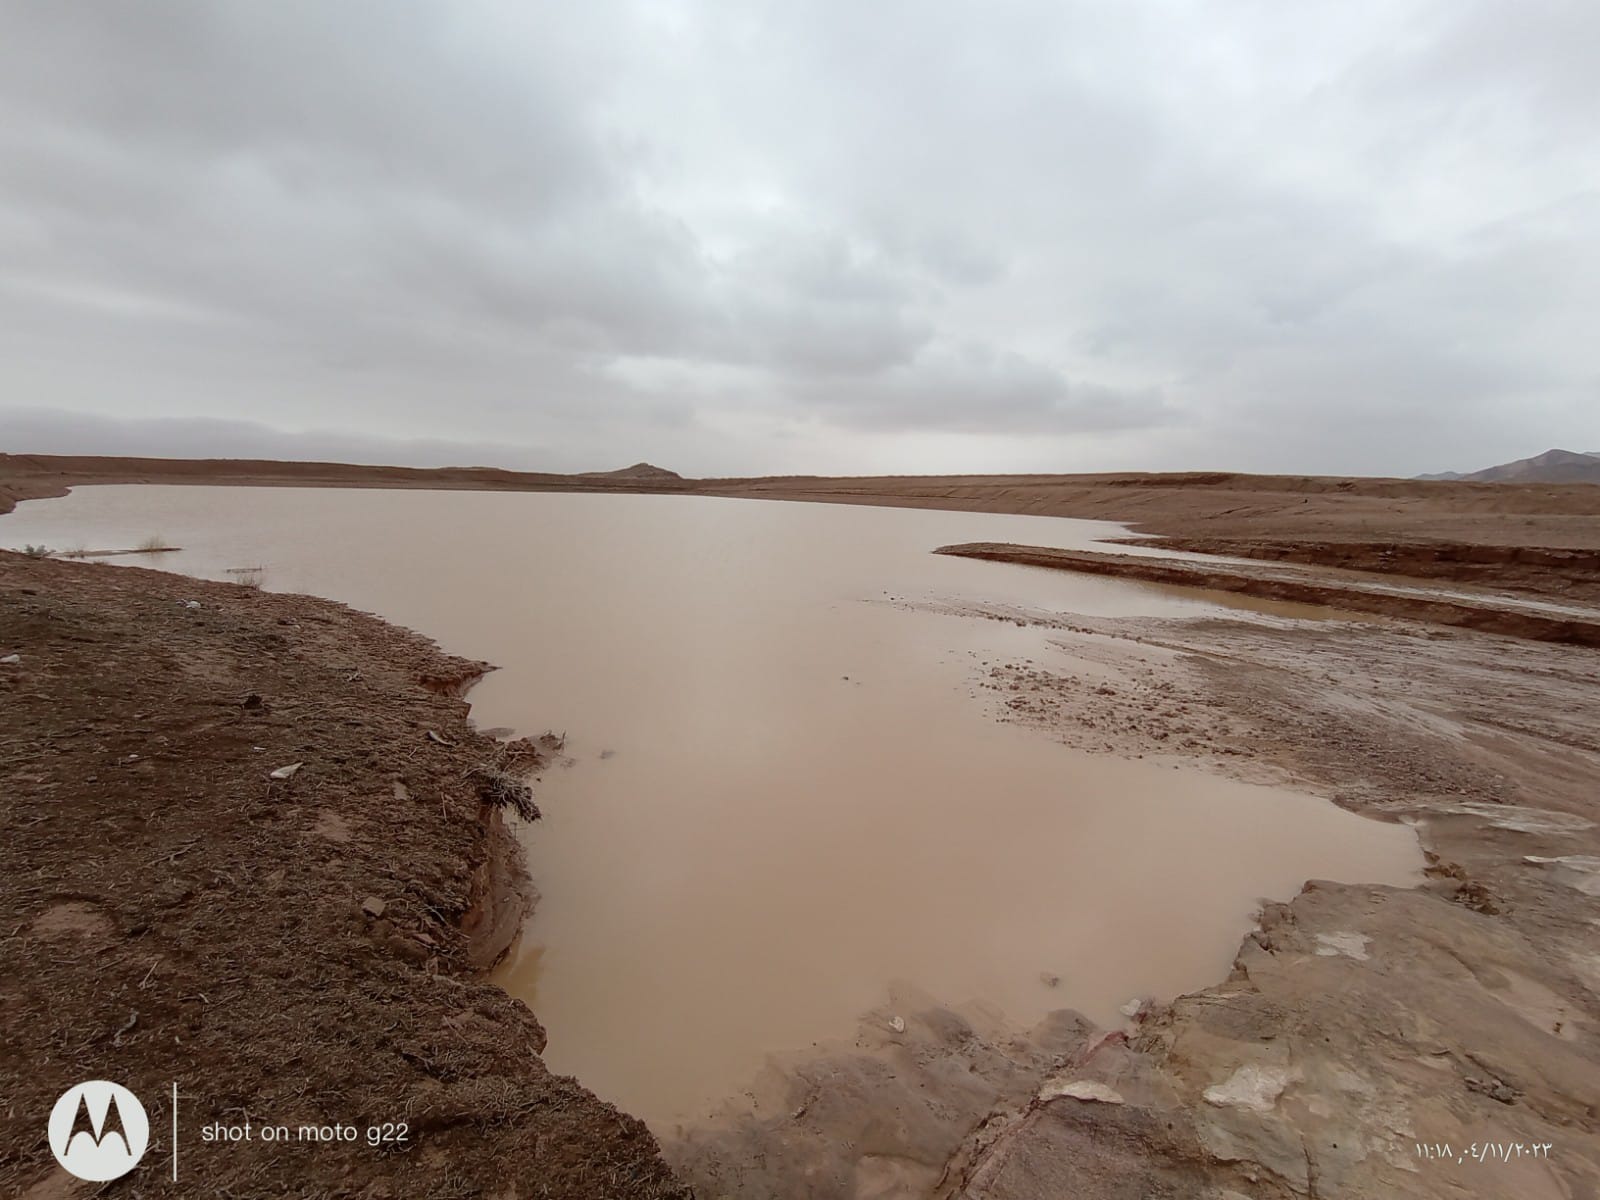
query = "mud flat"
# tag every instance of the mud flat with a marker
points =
(1434, 1041)
(1559, 572)
(1508, 616)
(303, 950)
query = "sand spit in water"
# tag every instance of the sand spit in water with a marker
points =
(1507, 617)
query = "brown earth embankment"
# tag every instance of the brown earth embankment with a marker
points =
(1522, 621)
(1539, 570)
(293, 951)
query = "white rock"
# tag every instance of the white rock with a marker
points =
(1133, 1007)
(1351, 945)
(1580, 871)
(286, 772)
(897, 1024)
(11, 659)
(1082, 1089)
(1252, 1087)
(1519, 819)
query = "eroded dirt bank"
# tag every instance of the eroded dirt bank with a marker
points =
(1482, 611)
(1539, 570)
(297, 951)
(1360, 1030)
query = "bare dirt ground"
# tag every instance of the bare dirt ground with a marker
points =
(300, 951)
(1361, 1030)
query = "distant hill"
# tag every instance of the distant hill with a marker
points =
(1553, 466)
(642, 470)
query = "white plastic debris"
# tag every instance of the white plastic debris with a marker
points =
(1133, 1007)
(897, 1024)
(286, 772)
(11, 659)
(189, 603)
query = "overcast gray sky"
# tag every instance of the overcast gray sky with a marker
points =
(757, 236)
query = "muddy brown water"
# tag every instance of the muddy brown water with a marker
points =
(786, 792)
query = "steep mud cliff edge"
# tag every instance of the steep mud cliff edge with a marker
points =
(292, 951)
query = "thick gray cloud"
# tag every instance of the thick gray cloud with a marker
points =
(1022, 234)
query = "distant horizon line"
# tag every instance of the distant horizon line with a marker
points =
(647, 470)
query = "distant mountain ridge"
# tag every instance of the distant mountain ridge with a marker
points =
(1553, 466)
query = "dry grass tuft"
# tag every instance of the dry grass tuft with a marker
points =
(505, 789)
(250, 577)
